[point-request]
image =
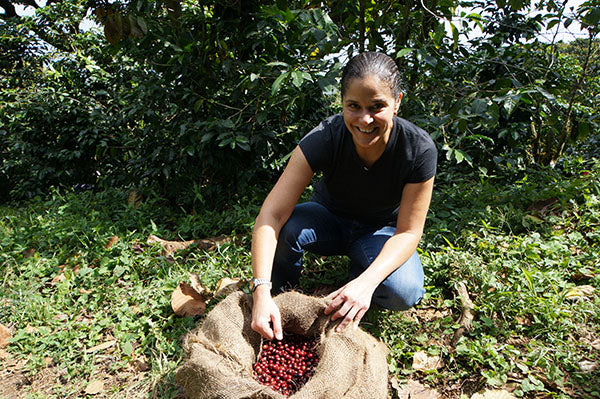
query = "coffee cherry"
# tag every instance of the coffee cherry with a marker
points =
(286, 365)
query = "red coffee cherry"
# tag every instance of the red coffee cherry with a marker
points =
(286, 365)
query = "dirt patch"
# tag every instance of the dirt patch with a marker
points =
(18, 383)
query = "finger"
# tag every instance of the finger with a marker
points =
(349, 317)
(359, 317)
(276, 320)
(263, 328)
(346, 307)
(337, 301)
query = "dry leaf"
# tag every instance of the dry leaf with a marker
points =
(111, 241)
(580, 292)
(102, 346)
(28, 253)
(29, 329)
(169, 247)
(141, 364)
(58, 278)
(416, 390)
(587, 367)
(227, 285)
(185, 301)
(137, 248)
(394, 384)
(94, 387)
(211, 243)
(204, 292)
(4, 336)
(421, 361)
(134, 199)
(494, 394)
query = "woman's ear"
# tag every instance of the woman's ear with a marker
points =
(397, 103)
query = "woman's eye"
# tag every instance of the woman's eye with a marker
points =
(377, 107)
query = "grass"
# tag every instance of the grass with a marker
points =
(63, 293)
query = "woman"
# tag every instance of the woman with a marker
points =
(370, 204)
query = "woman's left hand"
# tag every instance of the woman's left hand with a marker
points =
(351, 301)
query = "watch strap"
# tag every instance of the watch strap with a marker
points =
(255, 282)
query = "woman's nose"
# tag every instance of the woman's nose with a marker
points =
(366, 118)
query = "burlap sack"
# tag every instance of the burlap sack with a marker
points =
(220, 353)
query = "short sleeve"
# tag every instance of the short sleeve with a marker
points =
(317, 147)
(425, 159)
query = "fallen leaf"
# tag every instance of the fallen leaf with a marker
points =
(587, 366)
(227, 285)
(211, 243)
(61, 317)
(421, 361)
(141, 364)
(28, 253)
(169, 247)
(416, 390)
(29, 329)
(94, 387)
(582, 275)
(185, 301)
(101, 347)
(4, 336)
(58, 278)
(134, 199)
(196, 284)
(542, 206)
(111, 241)
(494, 394)
(580, 292)
(524, 320)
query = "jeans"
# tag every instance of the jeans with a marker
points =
(313, 227)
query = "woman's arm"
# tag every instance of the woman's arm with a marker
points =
(275, 211)
(353, 299)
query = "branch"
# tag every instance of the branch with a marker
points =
(577, 86)
(466, 317)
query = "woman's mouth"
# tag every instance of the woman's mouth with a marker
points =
(366, 130)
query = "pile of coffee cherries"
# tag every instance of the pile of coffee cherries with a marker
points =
(286, 365)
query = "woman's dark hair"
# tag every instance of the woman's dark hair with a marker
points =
(376, 64)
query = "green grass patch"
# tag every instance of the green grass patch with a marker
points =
(523, 242)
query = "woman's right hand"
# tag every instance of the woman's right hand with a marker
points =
(266, 319)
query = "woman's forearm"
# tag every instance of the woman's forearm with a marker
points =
(394, 253)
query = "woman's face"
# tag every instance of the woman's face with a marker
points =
(368, 109)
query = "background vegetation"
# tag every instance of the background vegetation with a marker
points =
(196, 105)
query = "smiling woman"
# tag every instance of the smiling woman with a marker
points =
(370, 204)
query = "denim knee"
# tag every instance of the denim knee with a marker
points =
(399, 297)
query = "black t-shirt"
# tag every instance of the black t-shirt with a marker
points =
(370, 195)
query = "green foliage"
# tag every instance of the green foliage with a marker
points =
(520, 258)
(199, 101)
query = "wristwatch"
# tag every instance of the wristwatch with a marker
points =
(255, 282)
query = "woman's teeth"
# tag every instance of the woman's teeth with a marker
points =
(367, 130)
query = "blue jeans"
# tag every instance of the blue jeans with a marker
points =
(313, 227)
